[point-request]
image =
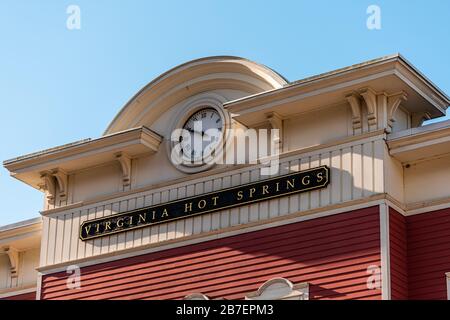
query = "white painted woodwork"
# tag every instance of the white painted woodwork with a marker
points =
(433, 173)
(28, 262)
(280, 289)
(300, 131)
(355, 173)
(306, 130)
(394, 178)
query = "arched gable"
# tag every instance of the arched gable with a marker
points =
(189, 79)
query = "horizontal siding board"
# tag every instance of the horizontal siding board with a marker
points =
(311, 228)
(232, 262)
(198, 280)
(428, 243)
(418, 267)
(206, 280)
(398, 255)
(272, 238)
(242, 287)
(233, 265)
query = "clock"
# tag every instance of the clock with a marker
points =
(202, 135)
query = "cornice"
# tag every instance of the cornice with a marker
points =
(420, 144)
(48, 170)
(344, 80)
(20, 228)
(145, 134)
(418, 135)
(256, 98)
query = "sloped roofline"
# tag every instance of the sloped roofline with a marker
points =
(20, 224)
(340, 71)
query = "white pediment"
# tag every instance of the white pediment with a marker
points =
(190, 79)
(280, 289)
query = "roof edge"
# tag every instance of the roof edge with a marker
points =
(339, 71)
(67, 146)
(20, 224)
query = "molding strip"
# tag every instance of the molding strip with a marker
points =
(385, 252)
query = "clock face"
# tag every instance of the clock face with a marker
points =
(205, 131)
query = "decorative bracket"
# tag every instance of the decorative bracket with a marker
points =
(276, 122)
(355, 103)
(61, 179)
(125, 164)
(53, 181)
(370, 97)
(418, 118)
(13, 255)
(394, 101)
(48, 185)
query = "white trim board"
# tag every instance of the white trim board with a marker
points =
(17, 291)
(385, 252)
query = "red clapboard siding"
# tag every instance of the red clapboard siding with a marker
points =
(398, 255)
(331, 253)
(24, 296)
(428, 237)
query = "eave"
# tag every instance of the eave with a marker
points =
(22, 235)
(420, 144)
(83, 154)
(389, 75)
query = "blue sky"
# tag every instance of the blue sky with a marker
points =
(59, 85)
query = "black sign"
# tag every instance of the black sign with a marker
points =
(302, 181)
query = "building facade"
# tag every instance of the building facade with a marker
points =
(357, 208)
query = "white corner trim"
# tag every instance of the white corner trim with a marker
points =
(396, 207)
(448, 285)
(385, 253)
